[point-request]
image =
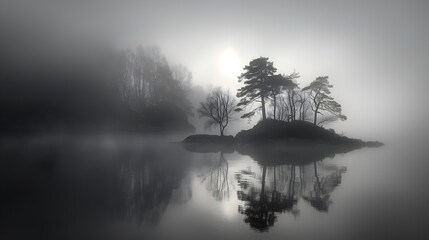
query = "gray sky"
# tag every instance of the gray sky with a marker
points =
(376, 53)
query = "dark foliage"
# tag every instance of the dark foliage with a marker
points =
(213, 139)
(256, 85)
(274, 130)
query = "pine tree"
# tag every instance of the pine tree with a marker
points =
(256, 86)
(322, 101)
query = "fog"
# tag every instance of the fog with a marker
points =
(375, 53)
(96, 94)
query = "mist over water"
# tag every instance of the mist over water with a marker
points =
(121, 187)
(95, 96)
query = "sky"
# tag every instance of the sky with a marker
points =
(375, 53)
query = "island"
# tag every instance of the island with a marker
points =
(277, 138)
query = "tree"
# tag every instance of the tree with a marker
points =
(304, 105)
(218, 108)
(277, 83)
(282, 112)
(147, 80)
(321, 101)
(256, 86)
(181, 87)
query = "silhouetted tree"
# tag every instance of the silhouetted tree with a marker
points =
(256, 86)
(304, 105)
(277, 83)
(321, 101)
(292, 101)
(282, 112)
(218, 108)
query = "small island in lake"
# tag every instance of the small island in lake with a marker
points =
(297, 135)
(296, 120)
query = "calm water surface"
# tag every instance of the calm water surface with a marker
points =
(116, 187)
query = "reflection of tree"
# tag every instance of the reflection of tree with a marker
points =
(149, 185)
(280, 189)
(262, 205)
(257, 210)
(322, 186)
(217, 179)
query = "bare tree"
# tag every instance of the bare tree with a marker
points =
(218, 108)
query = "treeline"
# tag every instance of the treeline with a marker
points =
(149, 86)
(147, 80)
(273, 95)
(92, 88)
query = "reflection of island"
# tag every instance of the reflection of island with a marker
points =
(216, 179)
(290, 171)
(149, 183)
(279, 189)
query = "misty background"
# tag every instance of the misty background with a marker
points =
(375, 53)
(87, 86)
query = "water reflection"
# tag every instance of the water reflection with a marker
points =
(54, 187)
(262, 204)
(92, 184)
(286, 175)
(281, 187)
(216, 179)
(150, 183)
(318, 193)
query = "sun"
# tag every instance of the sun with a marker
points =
(229, 63)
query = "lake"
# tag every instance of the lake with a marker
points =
(122, 187)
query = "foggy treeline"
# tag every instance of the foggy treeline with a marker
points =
(148, 80)
(91, 87)
(149, 86)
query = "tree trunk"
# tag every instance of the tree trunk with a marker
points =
(315, 116)
(221, 129)
(275, 104)
(264, 117)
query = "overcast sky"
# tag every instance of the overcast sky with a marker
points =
(375, 53)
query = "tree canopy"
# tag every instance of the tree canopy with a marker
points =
(256, 85)
(277, 84)
(322, 102)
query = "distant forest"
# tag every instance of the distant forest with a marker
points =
(97, 90)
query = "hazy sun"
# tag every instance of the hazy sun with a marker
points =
(229, 63)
